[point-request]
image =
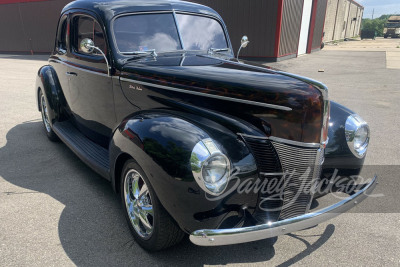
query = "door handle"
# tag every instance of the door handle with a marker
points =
(72, 74)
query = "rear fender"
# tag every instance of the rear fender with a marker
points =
(47, 82)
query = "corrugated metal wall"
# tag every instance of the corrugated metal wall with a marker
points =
(319, 24)
(256, 19)
(29, 26)
(290, 29)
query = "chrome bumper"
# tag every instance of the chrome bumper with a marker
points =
(219, 237)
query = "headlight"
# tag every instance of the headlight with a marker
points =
(210, 167)
(357, 135)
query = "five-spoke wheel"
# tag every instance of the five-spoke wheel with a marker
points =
(151, 225)
(138, 204)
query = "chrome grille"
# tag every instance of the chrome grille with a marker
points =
(301, 166)
(267, 161)
(265, 155)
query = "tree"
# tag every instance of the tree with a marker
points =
(376, 25)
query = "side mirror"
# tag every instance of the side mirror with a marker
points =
(87, 45)
(244, 42)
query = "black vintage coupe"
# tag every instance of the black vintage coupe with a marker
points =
(150, 95)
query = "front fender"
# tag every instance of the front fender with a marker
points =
(337, 153)
(47, 81)
(161, 142)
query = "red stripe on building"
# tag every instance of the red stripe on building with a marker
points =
(358, 4)
(312, 26)
(323, 26)
(278, 28)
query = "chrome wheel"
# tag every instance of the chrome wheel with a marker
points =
(138, 204)
(45, 114)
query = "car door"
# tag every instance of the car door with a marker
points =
(91, 93)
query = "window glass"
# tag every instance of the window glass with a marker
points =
(98, 37)
(201, 33)
(62, 36)
(87, 27)
(146, 32)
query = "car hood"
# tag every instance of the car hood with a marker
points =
(278, 103)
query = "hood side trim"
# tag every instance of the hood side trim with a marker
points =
(249, 102)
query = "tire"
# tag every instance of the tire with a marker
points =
(155, 230)
(385, 36)
(45, 118)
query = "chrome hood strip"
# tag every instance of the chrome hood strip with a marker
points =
(285, 141)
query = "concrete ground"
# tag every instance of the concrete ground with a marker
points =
(390, 46)
(55, 211)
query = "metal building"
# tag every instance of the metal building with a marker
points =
(29, 26)
(343, 19)
(277, 29)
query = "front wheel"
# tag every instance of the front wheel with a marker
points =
(151, 225)
(45, 118)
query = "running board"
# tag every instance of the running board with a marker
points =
(95, 156)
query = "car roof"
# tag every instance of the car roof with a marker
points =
(111, 8)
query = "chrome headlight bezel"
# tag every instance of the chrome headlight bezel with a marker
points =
(203, 152)
(354, 124)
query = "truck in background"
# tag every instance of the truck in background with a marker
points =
(392, 27)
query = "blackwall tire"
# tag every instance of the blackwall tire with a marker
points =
(154, 229)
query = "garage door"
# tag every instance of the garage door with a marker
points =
(305, 26)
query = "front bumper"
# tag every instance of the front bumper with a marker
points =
(219, 237)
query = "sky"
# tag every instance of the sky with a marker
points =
(380, 7)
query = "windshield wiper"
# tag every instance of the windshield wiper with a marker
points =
(218, 50)
(139, 54)
(151, 52)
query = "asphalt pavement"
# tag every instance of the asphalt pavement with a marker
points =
(55, 211)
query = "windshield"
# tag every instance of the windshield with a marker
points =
(200, 33)
(147, 32)
(392, 25)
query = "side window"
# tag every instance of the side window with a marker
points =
(61, 44)
(87, 27)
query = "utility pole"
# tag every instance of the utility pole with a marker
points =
(373, 11)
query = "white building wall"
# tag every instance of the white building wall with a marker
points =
(339, 21)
